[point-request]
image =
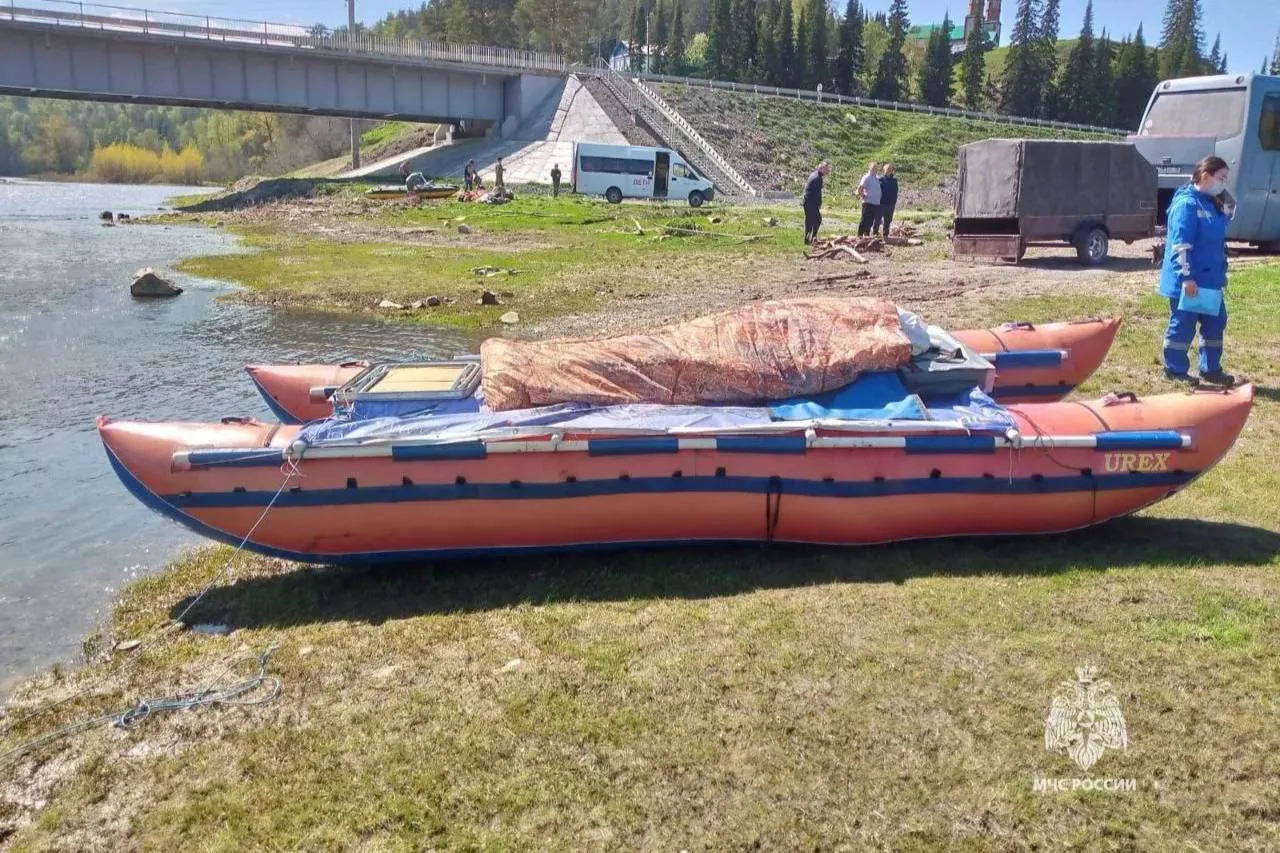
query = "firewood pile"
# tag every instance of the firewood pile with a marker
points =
(844, 248)
(904, 235)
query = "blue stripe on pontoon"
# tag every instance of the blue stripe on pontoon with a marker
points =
(460, 450)
(236, 458)
(155, 503)
(1027, 358)
(426, 492)
(762, 443)
(951, 444)
(624, 446)
(281, 414)
(1030, 390)
(1164, 439)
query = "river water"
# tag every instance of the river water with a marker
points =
(74, 344)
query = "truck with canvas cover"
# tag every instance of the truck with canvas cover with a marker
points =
(1014, 193)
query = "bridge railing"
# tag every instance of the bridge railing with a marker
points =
(97, 16)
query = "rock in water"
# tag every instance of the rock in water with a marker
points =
(147, 283)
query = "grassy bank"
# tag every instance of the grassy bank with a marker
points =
(776, 142)
(568, 255)
(778, 699)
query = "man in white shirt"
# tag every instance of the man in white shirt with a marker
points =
(869, 192)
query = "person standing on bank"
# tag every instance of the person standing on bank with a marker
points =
(555, 180)
(1194, 274)
(869, 192)
(888, 201)
(812, 201)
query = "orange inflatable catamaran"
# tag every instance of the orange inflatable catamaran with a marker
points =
(868, 438)
(1034, 363)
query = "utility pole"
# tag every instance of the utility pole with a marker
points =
(351, 46)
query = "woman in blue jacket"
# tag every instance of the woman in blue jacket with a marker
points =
(1195, 259)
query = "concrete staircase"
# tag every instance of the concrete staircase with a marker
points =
(662, 120)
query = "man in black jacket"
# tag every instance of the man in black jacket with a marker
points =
(812, 201)
(888, 201)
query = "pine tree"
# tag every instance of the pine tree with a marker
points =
(818, 57)
(1135, 79)
(639, 27)
(766, 45)
(784, 39)
(1050, 24)
(675, 46)
(891, 75)
(1195, 37)
(744, 39)
(1181, 40)
(1172, 43)
(1223, 65)
(1275, 58)
(661, 32)
(973, 66)
(850, 55)
(803, 79)
(1214, 62)
(1024, 78)
(1076, 88)
(935, 73)
(1104, 87)
(719, 52)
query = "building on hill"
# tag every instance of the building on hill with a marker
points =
(988, 20)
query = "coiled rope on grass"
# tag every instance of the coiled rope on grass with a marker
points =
(213, 693)
(145, 708)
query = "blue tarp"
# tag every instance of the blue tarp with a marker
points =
(882, 396)
(873, 398)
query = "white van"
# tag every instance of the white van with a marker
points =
(636, 171)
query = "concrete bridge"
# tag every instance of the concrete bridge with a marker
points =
(54, 49)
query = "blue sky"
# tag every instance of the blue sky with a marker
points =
(1248, 32)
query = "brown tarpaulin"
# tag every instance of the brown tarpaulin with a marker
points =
(771, 350)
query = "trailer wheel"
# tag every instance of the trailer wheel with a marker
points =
(613, 195)
(1092, 248)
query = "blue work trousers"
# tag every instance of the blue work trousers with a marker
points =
(1182, 331)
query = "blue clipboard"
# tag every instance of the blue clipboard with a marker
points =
(1206, 301)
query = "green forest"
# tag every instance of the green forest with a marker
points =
(1094, 78)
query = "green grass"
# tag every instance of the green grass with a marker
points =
(721, 698)
(997, 56)
(790, 137)
(572, 255)
(385, 132)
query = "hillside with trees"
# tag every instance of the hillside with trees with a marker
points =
(1098, 78)
(1095, 78)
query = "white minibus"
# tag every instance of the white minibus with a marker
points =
(636, 171)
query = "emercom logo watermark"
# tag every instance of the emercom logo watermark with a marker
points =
(1084, 721)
